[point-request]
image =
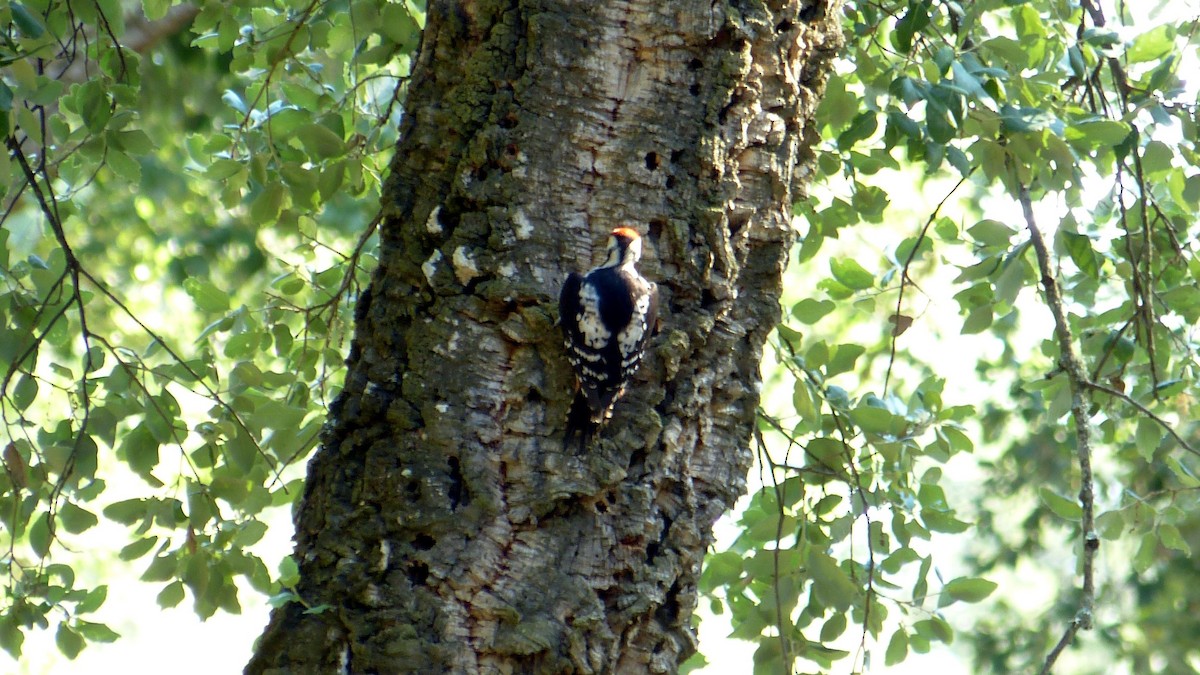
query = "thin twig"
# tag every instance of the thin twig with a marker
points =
(1145, 411)
(912, 254)
(1080, 403)
(1066, 639)
(785, 651)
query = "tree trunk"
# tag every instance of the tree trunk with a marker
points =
(444, 527)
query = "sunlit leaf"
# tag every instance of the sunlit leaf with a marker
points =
(1061, 506)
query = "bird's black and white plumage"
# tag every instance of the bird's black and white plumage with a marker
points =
(607, 317)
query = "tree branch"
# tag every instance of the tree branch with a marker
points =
(904, 278)
(1080, 403)
(141, 35)
(1145, 411)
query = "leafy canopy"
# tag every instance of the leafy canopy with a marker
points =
(175, 266)
(940, 428)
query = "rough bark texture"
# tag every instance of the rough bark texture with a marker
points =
(444, 525)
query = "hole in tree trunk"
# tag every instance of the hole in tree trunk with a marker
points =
(418, 572)
(457, 492)
(668, 613)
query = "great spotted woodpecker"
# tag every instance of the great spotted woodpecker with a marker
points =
(607, 317)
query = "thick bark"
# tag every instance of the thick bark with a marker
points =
(444, 525)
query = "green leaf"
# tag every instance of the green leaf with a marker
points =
(155, 9)
(1060, 505)
(969, 589)
(1110, 525)
(720, 569)
(207, 297)
(280, 599)
(171, 595)
(850, 274)
(1098, 133)
(1021, 119)
(93, 105)
(162, 568)
(222, 169)
(93, 600)
(25, 392)
(873, 420)
(1183, 474)
(1079, 247)
(1147, 438)
(250, 533)
(802, 401)
(897, 649)
(943, 521)
(1101, 37)
(39, 535)
(320, 141)
(831, 584)
(266, 205)
(992, 233)
(96, 632)
(968, 83)
(243, 346)
(137, 549)
(11, 636)
(810, 311)
(956, 439)
(289, 573)
(863, 127)
(75, 519)
(1152, 45)
(29, 24)
(125, 166)
(978, 320)
(834, 627)
(843, 358)
(1170, 537)
(139, 449)
(241, 452)
(934, 629)
(68, 641)
(1146, 553)
(126, 512)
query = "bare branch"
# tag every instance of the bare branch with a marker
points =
(904, 278)
(1080, 403)
(141, 35)
(1145, 411)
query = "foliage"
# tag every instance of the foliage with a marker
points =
(928, 337)
(175, 265)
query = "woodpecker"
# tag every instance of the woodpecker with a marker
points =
(607, 316)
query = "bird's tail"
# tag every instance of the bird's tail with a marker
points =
(581, 423)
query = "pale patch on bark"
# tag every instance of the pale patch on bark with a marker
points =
(464, 267)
